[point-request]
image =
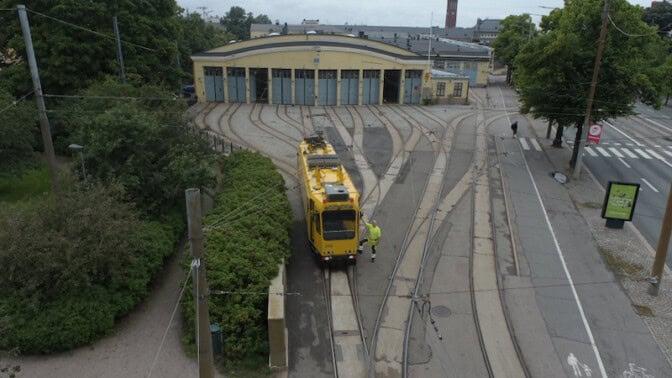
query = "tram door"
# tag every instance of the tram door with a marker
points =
(214, 84)
(370, 86)
(349, 87)
(236, 84)
(327, 87)
(282, 86)
(305, 87)
(412, 86)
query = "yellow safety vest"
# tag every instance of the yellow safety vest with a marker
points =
(374, 233)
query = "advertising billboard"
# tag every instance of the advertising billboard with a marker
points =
(620, 200)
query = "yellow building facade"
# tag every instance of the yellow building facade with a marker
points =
(312, 70)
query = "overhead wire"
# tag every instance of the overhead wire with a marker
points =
(16, 102)
(625, 33)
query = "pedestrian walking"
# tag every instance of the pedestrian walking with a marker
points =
(514, 128)
(372, 239)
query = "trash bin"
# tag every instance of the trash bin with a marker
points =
(217, 340)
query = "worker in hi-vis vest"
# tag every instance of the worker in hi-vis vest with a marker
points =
(373, 238)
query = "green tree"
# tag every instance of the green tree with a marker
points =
(197, 35)
(516, 32)
(554, 70)
(142, 142)
(660, 16)
(18, 128)
(238, 23)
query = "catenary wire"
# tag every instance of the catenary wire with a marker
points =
(15, 102)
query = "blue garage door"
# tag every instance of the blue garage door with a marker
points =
(412, 86)
(327, 87)
(370, 86)
(349, 87)
(305, 87)
(214, 83)
(282, 86)
(236, 84)
(471, 70)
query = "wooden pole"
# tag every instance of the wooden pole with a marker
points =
(661, 251)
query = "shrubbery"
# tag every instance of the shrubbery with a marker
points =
(71, 265)
(247, 236)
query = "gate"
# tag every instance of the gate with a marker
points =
(349, 87)
(371, 87)
(327, 87)
(412, 86)
(305, 87)
(236, 84)
(214, 83)
(282, 86)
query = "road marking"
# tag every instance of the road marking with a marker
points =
(622, 133)
(615, 152)
(586, 326)
(657, 124)
(535, 144)
(668, 152)
(629, 153)
(644, 154)
(657, 156)
(603, 151)
(649, 184)
(590, 151)
(617, 144)
(624, 163)
(523, 143)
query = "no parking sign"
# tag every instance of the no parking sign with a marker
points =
(594, 133)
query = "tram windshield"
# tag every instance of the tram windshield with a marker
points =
(339, 225)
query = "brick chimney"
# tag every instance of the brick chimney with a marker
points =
(451, 14)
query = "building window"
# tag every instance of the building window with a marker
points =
(441, 89)
(457, 90)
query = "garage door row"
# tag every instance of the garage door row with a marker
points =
(302, 87)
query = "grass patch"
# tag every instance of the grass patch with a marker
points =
(252, 367)
(620, 266)
(33, 184)
(592, 205)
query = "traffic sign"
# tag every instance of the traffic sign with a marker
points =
(595, 133)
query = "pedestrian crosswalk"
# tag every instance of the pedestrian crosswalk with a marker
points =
(617, 150)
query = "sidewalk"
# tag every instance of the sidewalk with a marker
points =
(625, 250)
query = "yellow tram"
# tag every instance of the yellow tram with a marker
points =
(330, 200)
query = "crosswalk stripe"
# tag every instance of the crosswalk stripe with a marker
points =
(668, 152)
(629, 153)
(644, 154)
(535, 144)
(590, 151)
(655, 155)
(603, 151)
(615, 152)
(523, 143)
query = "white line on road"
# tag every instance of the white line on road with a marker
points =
(616, 152)
(657, 124)
(649, 184)
(568, 275)
(629, 153)
(668, 152)
(590, 151)
(624, 163)
(603, 151)
(535, 144)
(622, 133)
(523, 143)
(657, 156)
(644, 154)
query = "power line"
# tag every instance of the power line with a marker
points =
(15, 102)
(175, 98)
(625, 33)
(89, 30)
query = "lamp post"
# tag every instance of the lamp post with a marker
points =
(80, 149)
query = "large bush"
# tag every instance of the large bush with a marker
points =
(71, 265)
(247, 236)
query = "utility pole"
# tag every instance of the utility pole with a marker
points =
(576, 157)
(45, 129)
(661, 251)
(203, 338)
(120, 56)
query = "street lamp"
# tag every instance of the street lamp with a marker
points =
(80, 149)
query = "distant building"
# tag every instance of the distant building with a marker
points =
(451, 14)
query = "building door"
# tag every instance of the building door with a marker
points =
(349, 87)
(236, 84)
(214, 84)
(282, 86)
(305, 87)
(327, 87)
(259, 85)
(370, 86)
(391, 86)
(471, 71)
(412, 86)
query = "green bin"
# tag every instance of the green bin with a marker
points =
(217, 341)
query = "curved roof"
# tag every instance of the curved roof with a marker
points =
(309, 42)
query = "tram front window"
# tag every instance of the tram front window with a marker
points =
(339, 225)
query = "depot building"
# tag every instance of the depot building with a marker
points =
(313, 69)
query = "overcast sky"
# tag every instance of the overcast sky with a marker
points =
(382, 12)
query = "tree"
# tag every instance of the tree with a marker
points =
(554, 71)
(516, 32)
(197, 35)
(660, 15)
(238, 23)
(18, 129)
